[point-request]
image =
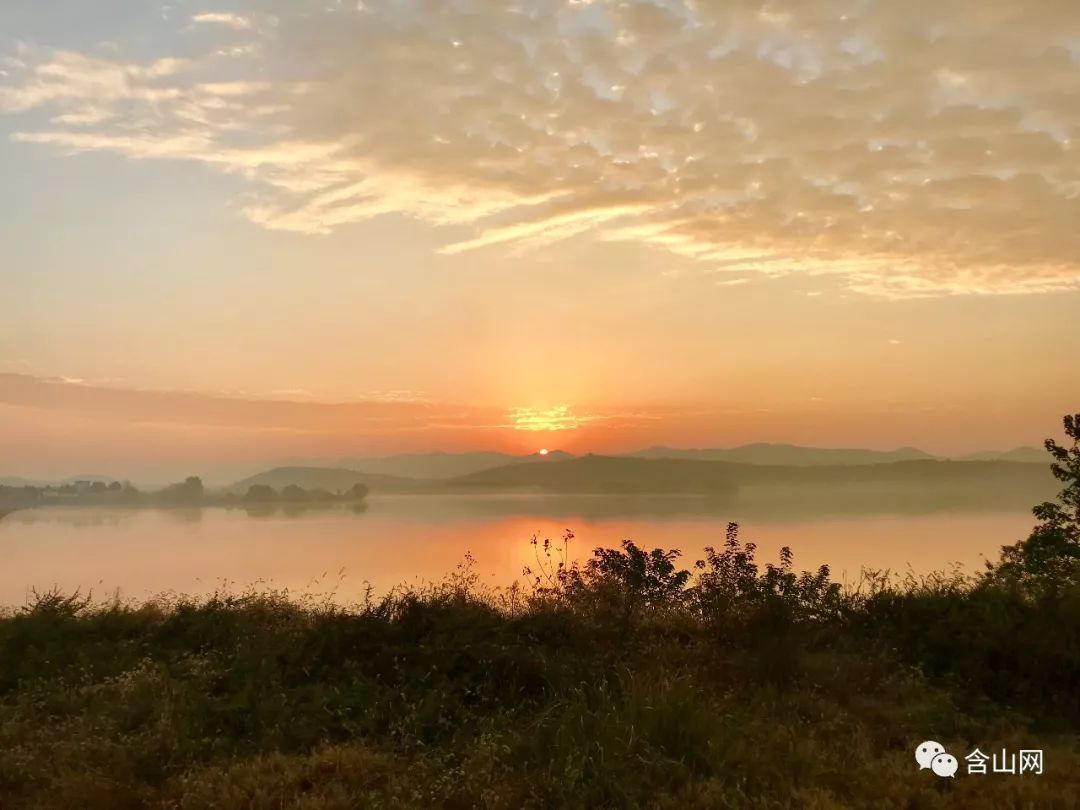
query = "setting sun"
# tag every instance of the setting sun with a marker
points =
(544, 451)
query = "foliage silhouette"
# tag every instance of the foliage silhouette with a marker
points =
(1052, 552)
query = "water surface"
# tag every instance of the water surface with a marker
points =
(144, 552)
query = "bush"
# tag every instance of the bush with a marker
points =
(731, 587)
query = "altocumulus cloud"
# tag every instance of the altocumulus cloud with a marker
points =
(915, 148)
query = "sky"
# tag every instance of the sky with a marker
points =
(237, 232)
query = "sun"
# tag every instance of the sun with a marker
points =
(543, 451)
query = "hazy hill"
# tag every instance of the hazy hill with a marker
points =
(987, 480)
(443, 465)
(332, 479)
(592, 474)
(787, 455)
(934, 472)
(604, 475)
(1029, 455)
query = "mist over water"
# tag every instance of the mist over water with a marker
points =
(399, 539)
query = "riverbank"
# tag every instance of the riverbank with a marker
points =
(625, 683)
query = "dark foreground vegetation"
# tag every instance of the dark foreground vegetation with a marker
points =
(629, 681)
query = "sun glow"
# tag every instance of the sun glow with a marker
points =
(543, 451)
(534, 419)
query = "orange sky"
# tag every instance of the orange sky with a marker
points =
(57, 428)
(312, 230)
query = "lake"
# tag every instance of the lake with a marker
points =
(398, 539)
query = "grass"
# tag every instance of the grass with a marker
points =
(623, 683)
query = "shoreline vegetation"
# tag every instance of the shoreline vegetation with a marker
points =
(187, 494)
(635, 679)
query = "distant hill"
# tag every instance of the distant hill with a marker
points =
(612, 474)
(332, 479)
(604, 475)
(443, 465)
(587, 475)
(787, 455)
(1030, 455)
(595, 474)
(924, 472)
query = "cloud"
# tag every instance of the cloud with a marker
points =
(552, 228)
(382, 412)
(910, 149)
(227, 19)
(394, 412)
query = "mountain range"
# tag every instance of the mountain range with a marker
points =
(1034, 455)
(441, 466)
(621, 475)
(788, 455)
(412, 472)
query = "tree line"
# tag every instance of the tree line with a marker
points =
(189, 492)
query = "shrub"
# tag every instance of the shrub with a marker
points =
(731, 586)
